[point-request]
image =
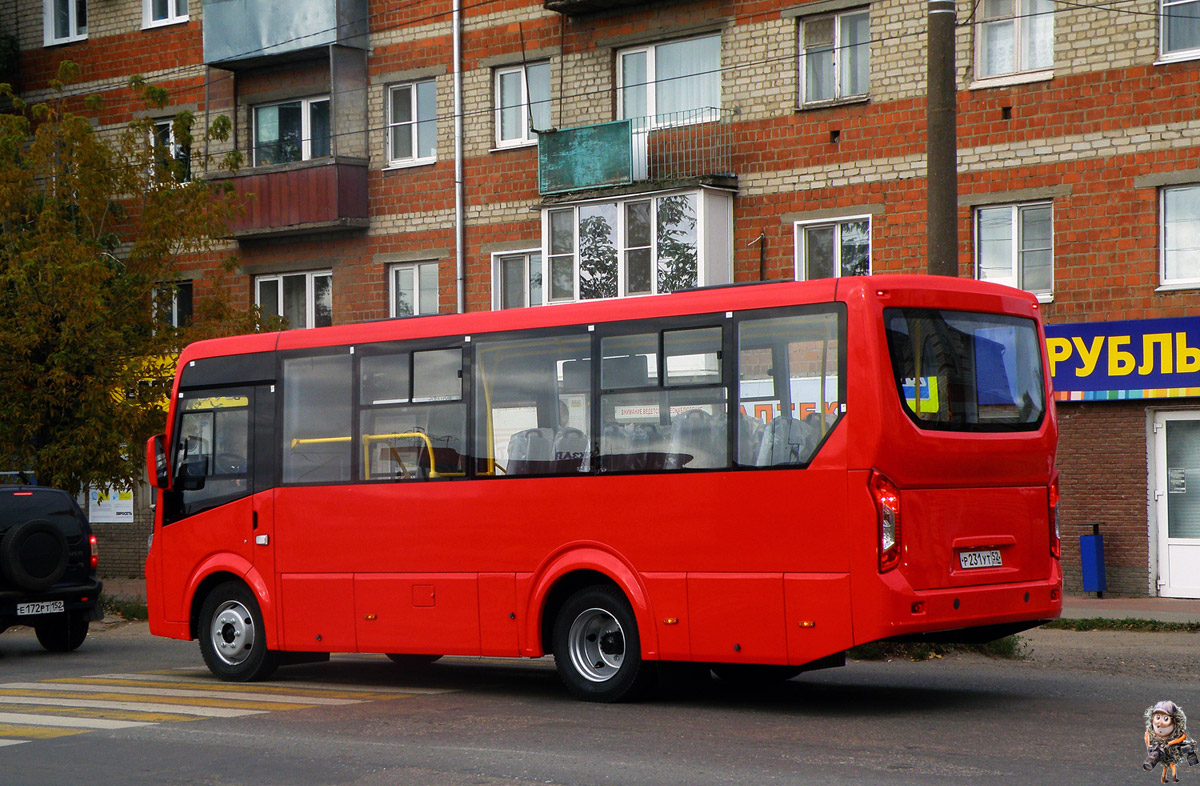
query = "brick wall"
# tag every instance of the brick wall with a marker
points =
(1102, 464)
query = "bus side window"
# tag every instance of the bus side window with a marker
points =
(412, 418)
(212, 453)
(316, 418)
(789, 388)
(533, 406)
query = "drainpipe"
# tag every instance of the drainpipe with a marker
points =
(460, 254)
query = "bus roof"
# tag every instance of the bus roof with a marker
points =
(978, 294)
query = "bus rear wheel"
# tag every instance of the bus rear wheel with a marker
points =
(596, 646)
(231, 635)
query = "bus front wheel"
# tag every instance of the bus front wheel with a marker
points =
(596, 646)
(231, 635)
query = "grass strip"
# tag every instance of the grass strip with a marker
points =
(1125, 623)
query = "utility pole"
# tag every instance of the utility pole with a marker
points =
(941, 151)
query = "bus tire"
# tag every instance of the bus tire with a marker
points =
(232, 638)
(412, 661)
(597, 649)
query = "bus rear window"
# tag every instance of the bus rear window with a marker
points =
(960, 371)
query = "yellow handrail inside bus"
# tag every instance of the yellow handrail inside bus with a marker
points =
(369, 439)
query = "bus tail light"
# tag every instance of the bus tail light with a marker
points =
(1055, 534)
(887, 503)
(94, 559)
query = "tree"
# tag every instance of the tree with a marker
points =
(95, 226)
(676, 243)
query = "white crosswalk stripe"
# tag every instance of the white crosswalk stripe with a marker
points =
(31, 711)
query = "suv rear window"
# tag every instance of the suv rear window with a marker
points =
(965, 371)
(22, 505)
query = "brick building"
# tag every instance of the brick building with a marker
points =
(393, 150)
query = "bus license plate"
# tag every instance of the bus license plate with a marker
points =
(42, 607)
(980, 559)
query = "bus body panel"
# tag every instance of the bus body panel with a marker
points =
(819, 615)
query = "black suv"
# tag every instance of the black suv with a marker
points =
(47, 566)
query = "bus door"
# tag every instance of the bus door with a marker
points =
(210, 514)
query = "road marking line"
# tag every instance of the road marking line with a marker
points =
(84, 712)
(182, 709)
(351, 691)
(68, 721)
(37, 732)
(148, 690)
(57, 692)
(11, 742)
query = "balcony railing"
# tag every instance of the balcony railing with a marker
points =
(666, 148)
(301, 197)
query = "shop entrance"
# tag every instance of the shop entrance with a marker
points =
(1176, 447)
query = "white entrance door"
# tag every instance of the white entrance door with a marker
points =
(1177, 502)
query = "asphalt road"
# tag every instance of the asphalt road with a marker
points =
(1070, 713)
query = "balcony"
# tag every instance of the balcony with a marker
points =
(690, 147)
(242, 33)
(301, 197)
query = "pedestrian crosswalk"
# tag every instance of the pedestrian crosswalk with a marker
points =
(77, 705)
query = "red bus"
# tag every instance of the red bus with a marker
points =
(755, 478)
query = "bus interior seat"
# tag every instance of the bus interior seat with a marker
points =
(750, 437)
(571, 451)
(693, 433)
(529, 452)
(786, 441)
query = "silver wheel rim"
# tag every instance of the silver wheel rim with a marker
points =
(596, 643)
(232, 632)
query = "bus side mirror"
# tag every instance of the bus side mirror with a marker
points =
(157, 467)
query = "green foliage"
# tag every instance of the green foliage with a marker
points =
(92, 225)
(127, 608)
(1127, 623)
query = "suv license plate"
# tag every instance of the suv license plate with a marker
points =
(43, 607)
(980, 559)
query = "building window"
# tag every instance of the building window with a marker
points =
(1015, 36)
(835, 57)
(671, 83)
(522, 103)
(1014, 245)
(291, 131)
(156, 13)
(1180, 240)
(639, 246)
(305, 300)
(414, 289)
(412, 123)
(173, 158)
(65, 21)
(173, 304)
(1180, 29)
(829, 249)
(518, 278)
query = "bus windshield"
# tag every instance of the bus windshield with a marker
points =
(960, 371)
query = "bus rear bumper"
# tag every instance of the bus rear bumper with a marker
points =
(962, 614)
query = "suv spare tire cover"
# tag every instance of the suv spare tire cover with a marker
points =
(33, 554)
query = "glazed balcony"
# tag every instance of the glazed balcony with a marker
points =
(301, 197)
(242, 33)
